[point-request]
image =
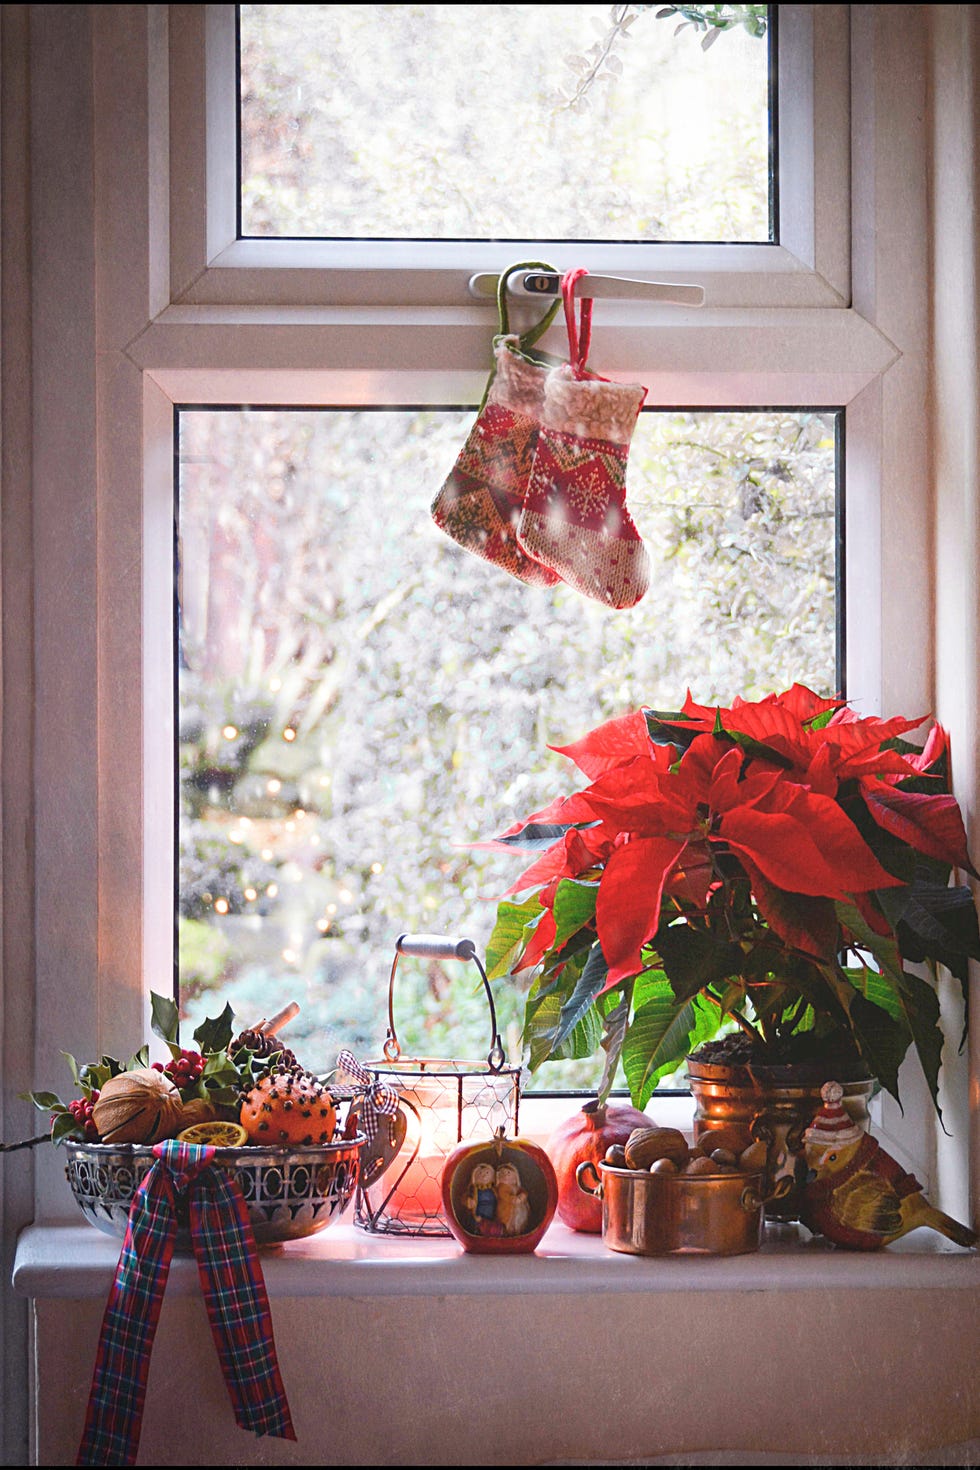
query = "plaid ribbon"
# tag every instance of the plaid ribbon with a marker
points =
(378, 1099)
(234, 1291)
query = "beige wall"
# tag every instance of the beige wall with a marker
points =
(880, 1377)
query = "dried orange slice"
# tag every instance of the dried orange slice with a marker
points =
(214, 1134)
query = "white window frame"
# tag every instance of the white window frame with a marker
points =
(210, 265)
(181, 314)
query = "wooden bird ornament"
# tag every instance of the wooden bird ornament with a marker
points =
(856, 1194)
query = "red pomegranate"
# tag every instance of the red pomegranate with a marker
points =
(587, 1135)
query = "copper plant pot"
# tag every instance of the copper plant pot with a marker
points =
(766, 1104)
(676, 1214)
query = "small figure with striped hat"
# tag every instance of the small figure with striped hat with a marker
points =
(856, 1194)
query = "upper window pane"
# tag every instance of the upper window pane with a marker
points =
(505, 122)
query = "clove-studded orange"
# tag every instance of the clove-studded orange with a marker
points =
(288, 1107)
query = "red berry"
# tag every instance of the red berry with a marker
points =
(158, 1067)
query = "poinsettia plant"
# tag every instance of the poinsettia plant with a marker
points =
(778, 865)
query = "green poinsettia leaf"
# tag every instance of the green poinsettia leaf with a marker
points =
(582, 998)
(164, 1017)
(615, 1008)
(537, 836)
(933, 920)
(662, 730)
(882, 1042)
(507, 939)
(662, 1032)
(574, 908)
(882, 947)
(693, 959)
(876, 988)
(921, 1005)
(542, 1022)
(215, 1033)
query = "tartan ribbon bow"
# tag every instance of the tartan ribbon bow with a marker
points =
(378, 1099)
(234, 1292)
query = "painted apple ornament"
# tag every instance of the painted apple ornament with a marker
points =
(499, 1196)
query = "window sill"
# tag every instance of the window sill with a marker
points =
(77, 1261)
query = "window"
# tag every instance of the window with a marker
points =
(359, 698)
(207, 318)
(576, 122)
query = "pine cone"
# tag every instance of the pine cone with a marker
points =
(263, 1046)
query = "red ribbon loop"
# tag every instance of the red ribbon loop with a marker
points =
(580, 336)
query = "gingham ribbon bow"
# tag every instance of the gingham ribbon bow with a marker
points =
(377, 1098)
(234, 1291)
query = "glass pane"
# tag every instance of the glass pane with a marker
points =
(497, 122)
(360, 698)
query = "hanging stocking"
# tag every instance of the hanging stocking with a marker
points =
(481, 501)
(575, 518)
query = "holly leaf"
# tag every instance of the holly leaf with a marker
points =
(164, 1018)
(139, 1059)
(45, 1102)
(94, 1075)
(215, 1033)
(66, 1126)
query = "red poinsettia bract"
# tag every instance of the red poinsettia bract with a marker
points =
(758, 782)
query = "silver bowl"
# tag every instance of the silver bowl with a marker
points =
(290, 1193)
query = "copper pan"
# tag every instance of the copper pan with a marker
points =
(676, 1214)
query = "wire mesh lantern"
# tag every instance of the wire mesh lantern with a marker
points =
(441, 1103)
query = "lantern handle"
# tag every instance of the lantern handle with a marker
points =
(440, 947)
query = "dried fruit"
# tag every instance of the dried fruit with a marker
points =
(645, 1145)
(142, 1106)
(196, 1110)
(214, 1134)
(288, 1106)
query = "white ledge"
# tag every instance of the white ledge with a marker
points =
(76, 1261)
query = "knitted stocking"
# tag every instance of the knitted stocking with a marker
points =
(575, 518)
(481, 501)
